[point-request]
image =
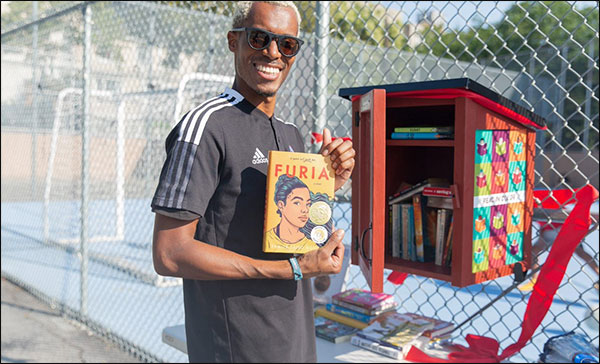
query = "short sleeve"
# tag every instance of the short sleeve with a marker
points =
(190, 174)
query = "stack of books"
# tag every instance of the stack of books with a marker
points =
(427, 132)
(421, 222)
(333, 331)
(394, 334)
(357, 308)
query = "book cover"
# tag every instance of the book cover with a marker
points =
(376, 347)
(391, 306)
(420, 251)
(396, 330)
(402, 136)
(412, 244)
(323, 312)
(405, 194)
(333, 331)
(298, 202)
(440, 327)
(425, 129)
(364, 298)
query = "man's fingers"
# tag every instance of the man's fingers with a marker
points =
(326, 139)
(334, 240)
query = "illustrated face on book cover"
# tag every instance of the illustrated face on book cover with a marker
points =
(302, 212)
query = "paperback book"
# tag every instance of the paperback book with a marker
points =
(299, 202)
(396, 330)
(439, 329)
(376, 347)
(323, 312)
(363, 298)
(425, 129)
(333, 331)
(344, 311)
(407, 193)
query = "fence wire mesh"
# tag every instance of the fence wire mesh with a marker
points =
(150, 62)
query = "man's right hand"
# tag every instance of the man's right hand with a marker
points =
(325, 260)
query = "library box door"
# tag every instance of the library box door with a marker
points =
(368, 188)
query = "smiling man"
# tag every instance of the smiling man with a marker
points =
(241, 305)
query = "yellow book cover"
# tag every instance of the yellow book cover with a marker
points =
(298, 202)
(323, 312)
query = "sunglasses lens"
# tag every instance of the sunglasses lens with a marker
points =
(258, 39)
(289, 46)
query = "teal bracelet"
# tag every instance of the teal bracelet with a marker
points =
(296, 269)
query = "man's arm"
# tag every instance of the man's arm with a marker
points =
(176, 253)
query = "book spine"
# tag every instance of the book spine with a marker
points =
(367, 311)
(340, 310)
(421, 135)
(418, 228)
(397, 231)
(405, 213)
(322, 311)
(439, 238)
(437, 191)
(412, 248)
(376, 347)
(448, 244)
(425, 129)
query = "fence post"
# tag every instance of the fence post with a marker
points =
(85, 131)
(321, 61)
(34, 90)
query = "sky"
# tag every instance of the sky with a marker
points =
(459, 13)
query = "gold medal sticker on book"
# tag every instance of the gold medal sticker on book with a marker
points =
(298, 202)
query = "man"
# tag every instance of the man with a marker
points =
(241, 305)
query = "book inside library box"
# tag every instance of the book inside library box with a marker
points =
(443, 181)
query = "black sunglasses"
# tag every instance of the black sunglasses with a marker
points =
(260, 39)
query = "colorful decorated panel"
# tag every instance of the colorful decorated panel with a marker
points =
(499, 198)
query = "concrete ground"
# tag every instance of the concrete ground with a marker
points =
(34, 332)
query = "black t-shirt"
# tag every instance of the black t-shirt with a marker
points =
(216, 169)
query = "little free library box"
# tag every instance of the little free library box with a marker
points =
(488, 162)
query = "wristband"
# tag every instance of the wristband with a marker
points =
(296, 269)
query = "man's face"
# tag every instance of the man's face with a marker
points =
(295, 209)
(261, 73)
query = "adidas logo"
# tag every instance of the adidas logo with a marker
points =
(259, 158)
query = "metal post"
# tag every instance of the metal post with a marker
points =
(85, 131)
(321, 61)
(34, 118)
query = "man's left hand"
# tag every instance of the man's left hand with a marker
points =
(342, 157)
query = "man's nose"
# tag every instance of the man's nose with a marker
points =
(273, 50)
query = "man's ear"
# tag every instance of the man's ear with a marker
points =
(232, 41)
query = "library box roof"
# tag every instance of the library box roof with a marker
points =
(452, 88)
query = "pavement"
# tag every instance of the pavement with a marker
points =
(34, 332)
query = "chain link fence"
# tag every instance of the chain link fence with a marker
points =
(91, 89)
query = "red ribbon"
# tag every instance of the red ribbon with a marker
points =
(318, 138)
(485, 350)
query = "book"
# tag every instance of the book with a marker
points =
(434, 135)
(363, 298)
(391, 306)
(429, 221)
(376, 347)
(439, 329)
(396, 230)
(323, 312)
(443, 223)
(405, 194)
(298, 203)
(396, 330)
(333, 331)
(418, 223)
(440, 202)
(405, 229)
(344, 311)
(425, 129)
(447, 256)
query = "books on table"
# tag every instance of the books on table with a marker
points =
(440, 327)
(364, 301)
(333, 331)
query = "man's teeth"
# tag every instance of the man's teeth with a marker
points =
(265, 69)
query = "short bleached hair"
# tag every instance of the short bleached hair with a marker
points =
(242, 10)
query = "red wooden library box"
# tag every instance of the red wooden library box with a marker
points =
(488, 163)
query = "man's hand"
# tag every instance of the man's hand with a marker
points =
(325, 260)
(342, 157)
